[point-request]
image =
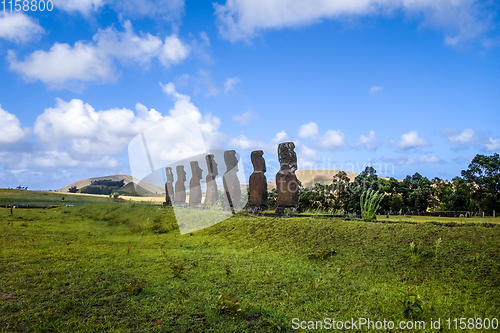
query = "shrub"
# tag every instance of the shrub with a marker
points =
(370, 203)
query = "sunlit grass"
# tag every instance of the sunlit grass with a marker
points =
(67, 269)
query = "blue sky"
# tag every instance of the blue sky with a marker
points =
(406, 86)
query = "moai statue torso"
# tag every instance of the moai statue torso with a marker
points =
(287, 185)
(212, 194)
(231, 181)
(194, 184)
(180, 189)
(169, 187)
(258, 183)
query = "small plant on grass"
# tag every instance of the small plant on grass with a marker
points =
(437, 245)
(370, 203)
(411, 303)
(228, 304)
(177, 270)
(228, 269)
(414, 250)
(135, 287)
(322, 253)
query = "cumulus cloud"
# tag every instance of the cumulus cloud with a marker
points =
(409, 141)
(468, 136)
(331, 140)
(374, 90)
(242, 142)
(66, 66)
(245, 118)
(78, 126)
(308, 130)
(18, 27)
(230, 83)
(493, 144)
(243, 19)
(208, 123)
(370, 142)
(10, 128)
(280, 137)
(307, 158)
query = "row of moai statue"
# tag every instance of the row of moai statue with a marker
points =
(286, 181)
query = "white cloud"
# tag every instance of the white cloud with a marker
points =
(166, 9)
(242, 142)
(280, 137)
(77, 126)
(230, 83)
(308, 130)
(18, 27)
(307, 158)
(429, 159)
(10, 128)
(245, 118)
(374, 90)
(209, 124)
(84, 7)
(65, 66)
(409, 141)
(331, 140)
(468, 136)
(371, 142)
(461, 20)
(493, 145)
(21, 161)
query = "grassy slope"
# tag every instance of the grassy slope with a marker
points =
(66, 269)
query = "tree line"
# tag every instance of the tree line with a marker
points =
(477, 190)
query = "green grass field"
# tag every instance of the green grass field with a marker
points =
(73, 269)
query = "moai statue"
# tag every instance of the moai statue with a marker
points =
(287, 184)
(231, 181)
(169, 187)
(212, 194)
(180, 189)
(257, 183)
(194, 184)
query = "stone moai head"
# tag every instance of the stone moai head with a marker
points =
(286, 156)
(170, 175)
(181, 174)
(212, 165)
(259, 163)
(196, 170)
(231, 160)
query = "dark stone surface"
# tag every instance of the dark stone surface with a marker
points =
(258, 183)
(194, 184)
(231, 181)
(169, 186)
(287, 184)
(212, 194)
(180, 189)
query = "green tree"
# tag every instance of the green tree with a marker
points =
(419, 194)
(73, 189)
(483, 174)
(341, 192)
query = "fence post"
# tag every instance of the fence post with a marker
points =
(493, 213)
